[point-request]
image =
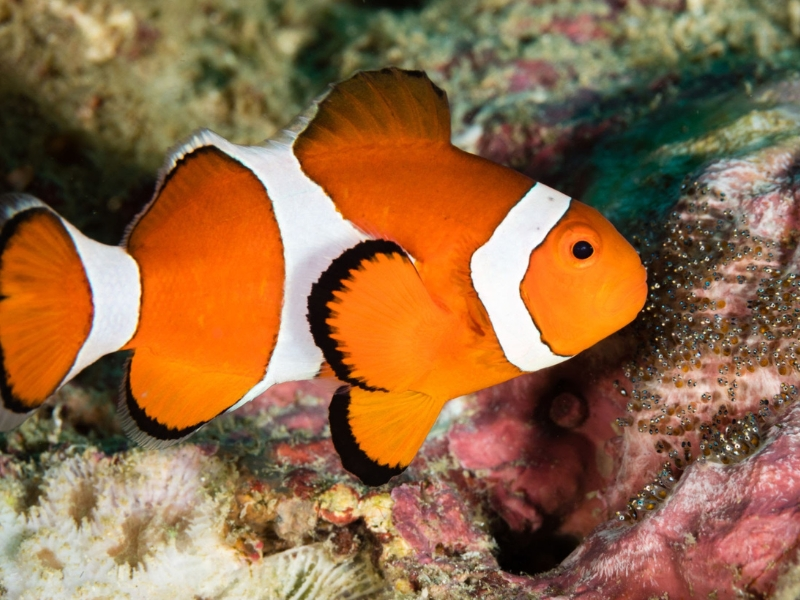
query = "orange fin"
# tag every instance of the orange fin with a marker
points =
(45, 306)
(374, 320)
(377, 434)
(374, 107)
(211, 261)
(163, 401)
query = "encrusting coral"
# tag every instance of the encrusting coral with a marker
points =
(726, 531)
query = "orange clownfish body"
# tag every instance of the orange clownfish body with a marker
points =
(362, 240)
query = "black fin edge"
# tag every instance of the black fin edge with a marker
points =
(322, 295)
(195, 145)
(416, 73)
(354, 459)
(7, 396)
(142, 428)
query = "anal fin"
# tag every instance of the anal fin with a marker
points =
(377, 434)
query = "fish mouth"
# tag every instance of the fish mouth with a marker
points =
(629, 296)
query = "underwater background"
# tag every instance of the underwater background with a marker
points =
(663, 463)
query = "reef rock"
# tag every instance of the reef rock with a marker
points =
(726, 531)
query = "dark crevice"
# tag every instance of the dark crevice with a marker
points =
(531, 553)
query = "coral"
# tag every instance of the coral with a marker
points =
(528, 80)
(153, 525)
(727, 531)
(722, 328)
(92, 94)
(110, 69)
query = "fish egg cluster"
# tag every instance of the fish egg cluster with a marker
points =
(719, 327)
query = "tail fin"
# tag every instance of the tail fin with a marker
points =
(65, 301)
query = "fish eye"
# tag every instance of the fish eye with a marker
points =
(582, 250)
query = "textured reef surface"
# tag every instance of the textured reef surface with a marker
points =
(663, 463)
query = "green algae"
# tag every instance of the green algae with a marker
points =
(641, 171)
(638, 173)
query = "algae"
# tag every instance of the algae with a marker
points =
(638, 173)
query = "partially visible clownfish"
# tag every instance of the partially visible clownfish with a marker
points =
(362, 245)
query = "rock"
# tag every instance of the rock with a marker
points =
(726, 531)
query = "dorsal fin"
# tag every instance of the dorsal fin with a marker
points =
(211, 260)
(377, 107)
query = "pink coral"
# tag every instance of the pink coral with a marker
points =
(727, 531)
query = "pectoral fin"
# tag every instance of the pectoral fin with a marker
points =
(374, 320)
(377, 434)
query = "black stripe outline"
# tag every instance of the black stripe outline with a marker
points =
(354, 459)
(416, 74)
(322, 297)
(167, 176)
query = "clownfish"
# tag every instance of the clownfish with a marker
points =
(359, 245)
